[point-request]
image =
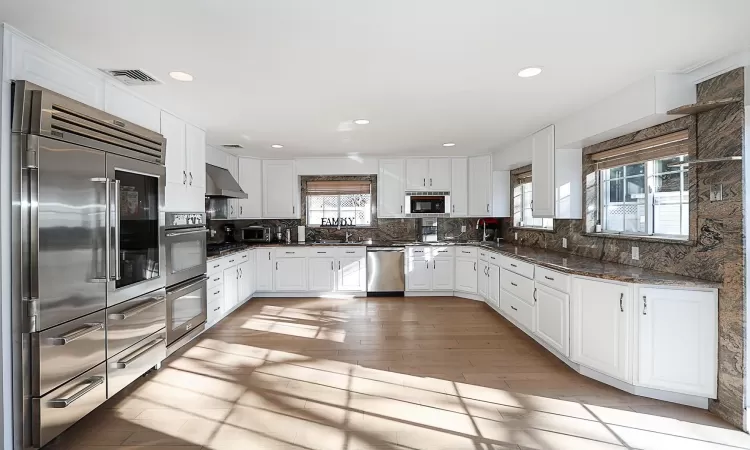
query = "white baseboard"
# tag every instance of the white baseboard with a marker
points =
(469, 296)
(338, 294)
(428, 294)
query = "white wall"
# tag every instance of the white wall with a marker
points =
(6, 411)
(353, 165)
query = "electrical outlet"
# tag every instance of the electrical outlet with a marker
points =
(635, 254)
(515, 236)
(565, 243)
(463, 228)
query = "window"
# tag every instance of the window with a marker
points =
(522, 201)
(648, 198)
(643, 187)
(334, 203)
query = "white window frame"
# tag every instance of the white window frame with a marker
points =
(338, 212)
(520, 193)
(650, 174)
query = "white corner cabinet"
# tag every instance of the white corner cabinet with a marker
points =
(281, 194)
(543, 172)
(460, 187)
(480, 186)
(185, 163)
(428, 174)
(391, 188)
(429, 268)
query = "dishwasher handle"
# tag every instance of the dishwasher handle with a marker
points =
(385, 249)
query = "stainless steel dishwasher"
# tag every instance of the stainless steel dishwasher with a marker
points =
(385, 271)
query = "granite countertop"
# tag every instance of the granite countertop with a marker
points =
(571, 264)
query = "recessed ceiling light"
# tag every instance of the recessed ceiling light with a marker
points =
(529, 72)
(181, 76)
(449, 144)
(277, 146)
(361, 121)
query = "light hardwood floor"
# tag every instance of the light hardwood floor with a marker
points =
(381, 373)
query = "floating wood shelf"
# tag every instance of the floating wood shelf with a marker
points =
(700, 107)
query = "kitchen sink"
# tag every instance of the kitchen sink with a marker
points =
(335, 242)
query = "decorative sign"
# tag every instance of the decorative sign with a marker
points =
(343, 221)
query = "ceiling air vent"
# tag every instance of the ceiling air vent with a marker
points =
(132, 77)
(232, 146)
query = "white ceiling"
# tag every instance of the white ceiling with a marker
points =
(424, 72)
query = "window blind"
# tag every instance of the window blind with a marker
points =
(672, 144)
(523, 177)
(338, 187)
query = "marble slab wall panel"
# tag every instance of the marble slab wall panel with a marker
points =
(715, 249)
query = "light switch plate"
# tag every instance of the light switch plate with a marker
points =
(717, 192)
(463, 228)
(565, 243)
(635, 253)
(515, 236)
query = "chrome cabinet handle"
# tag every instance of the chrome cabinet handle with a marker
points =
(427, 264)
(488, 207)
(294, 209)
(513, 284)
(269, 256)
(339, 265)
(217, 308)
(76, 334)
(91, 384)
(240, 210)
(621, 296)
(123, 363)
(534, 295)
(231, 209)
(475, 267)
(549, 278)
(217, 292)
(184, 177)
(277, 265)
(331, 265)
(433, 264)
(128, 313)
(430, 181)
(191, 178)
(513, 265)
(454, 208)
(424, 182)
(644, 305)
(513, 308)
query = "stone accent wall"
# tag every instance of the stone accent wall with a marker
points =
(715, 249)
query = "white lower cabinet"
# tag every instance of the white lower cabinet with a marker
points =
(264, 269)
(677, 335)
(483, 283)
(321, 274)
(466, 275)
(551, 311)
(245, 281)
(418, 274)
(290, 274)
(231, 287)
(351, 273)
(601, 326)
(442, 274)
(493, 289)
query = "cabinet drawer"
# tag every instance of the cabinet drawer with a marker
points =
(519, 267)
(321, 252)
(443, 252)
(493, 258)
(242, 257)
(467, 252)
(232, 260)
(132, 321)
(67, 350)
(61, 408)
(519, 310)
(351, 252)
(215, 311)
(134, 361)
(555, 280)
(216, 293)
(484, 255)
(521, 287)
(290, 252)
(418, 252)
(216, 265)
(215, 280)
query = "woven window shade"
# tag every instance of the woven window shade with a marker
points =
(338, 187)
(666, 146)
(524, 177)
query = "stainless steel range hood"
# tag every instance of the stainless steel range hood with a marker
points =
(221, 183)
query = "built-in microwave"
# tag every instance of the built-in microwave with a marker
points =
(427, 203)
(256, 234)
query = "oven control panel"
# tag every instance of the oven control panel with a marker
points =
(185, 219)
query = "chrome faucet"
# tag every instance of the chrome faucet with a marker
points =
(347, 236)
(484, 229)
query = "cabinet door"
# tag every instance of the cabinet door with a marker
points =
(440, 175)
(600, 326)
(351, 274)
(195, 150)
(264, 270)
(249, 178)
(501, 193)
(280, 193)
(494, 285)
(232, 203)
(417, 174)
(245, 288)
(175, 189)
(122, 103)
(483, 284)
(459, 187)
(466, 275)
(391, 188)
(677, 340)
(543, 170)
(442, 274)
(291, 274)
(321, 274)
(231, 287)
(551, 324)
(480, 184)
(418, 274)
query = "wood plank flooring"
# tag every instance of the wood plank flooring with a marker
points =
(381, 373)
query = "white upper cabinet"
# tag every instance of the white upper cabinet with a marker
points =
(250, 180)
(568, 183)
(543, 170)
(677, 334)
(417, 174)
(600, 322)
(428, 174)
(459, 187)
(280, 191)
(173, 129)
(123, 103)
(195, 164)
(480, 186)
(233, 204)
(501, 193)
(391, 188)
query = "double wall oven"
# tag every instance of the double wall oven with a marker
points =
(88, 296)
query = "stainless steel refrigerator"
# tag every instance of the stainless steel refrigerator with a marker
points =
(88, 306)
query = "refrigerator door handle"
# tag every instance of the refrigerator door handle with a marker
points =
(34, 238)
(116, 227)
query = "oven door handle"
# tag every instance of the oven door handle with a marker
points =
(128, 313)
(183, 233)
(123, 363)
(188, 287)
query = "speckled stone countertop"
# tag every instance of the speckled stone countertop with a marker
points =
(574, 265)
